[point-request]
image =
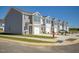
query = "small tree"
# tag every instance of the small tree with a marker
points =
(52, 24)
(53, 34)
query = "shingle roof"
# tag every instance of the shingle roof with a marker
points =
(24, 12)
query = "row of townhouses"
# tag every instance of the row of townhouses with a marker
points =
(21, 22)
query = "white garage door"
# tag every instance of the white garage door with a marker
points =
(36, 30)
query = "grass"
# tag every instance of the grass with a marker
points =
(39, 36)
(29, 35)
(25, 39)
(1, 30)
(74, 30)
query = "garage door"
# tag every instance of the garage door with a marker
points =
(36, 30)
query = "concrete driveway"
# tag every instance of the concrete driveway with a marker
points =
(7, 46)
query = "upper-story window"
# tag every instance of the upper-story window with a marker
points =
(26, 26)
(1, 25)
(37, 18)
(26, 18)
(48, 19)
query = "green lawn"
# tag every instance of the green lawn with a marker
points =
(25, 39)
(29, 35)
(74, 30)
(1, 30)
(39, 36)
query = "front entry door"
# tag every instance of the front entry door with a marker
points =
(30, 29)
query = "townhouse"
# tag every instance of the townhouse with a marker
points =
(48, 24)
(21, 22)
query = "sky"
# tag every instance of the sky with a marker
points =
(66, 13)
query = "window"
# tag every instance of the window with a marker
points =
(37, 18)
(48, 19)
(26, 18)
(0, 24)
(26, 26)
(30, 29)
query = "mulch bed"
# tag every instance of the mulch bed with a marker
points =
(71, 39)
(77, 35)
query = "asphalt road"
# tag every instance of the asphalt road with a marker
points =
(14, 47)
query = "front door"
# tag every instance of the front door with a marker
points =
(30, 29)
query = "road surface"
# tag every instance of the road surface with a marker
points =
(14, 47)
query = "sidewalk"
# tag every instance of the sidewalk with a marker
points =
(65, 37)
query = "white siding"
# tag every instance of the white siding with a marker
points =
(36, 30)
(55, 28)
(25, 19)
(48, 28)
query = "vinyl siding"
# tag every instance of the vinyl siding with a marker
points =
(13, 22)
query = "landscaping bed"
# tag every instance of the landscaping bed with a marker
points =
(71, 39)
(77, 35)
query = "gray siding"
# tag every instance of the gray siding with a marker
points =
(13, 22)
